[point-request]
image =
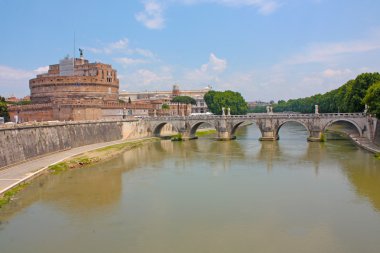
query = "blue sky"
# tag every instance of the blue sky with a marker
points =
(265, 49)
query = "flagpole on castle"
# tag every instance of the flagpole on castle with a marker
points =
(74, 53)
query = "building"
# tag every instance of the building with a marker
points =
(254, 104)
(75, 89)
(12, 99)
(166, 96)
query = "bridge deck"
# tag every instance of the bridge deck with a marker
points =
(261, 116)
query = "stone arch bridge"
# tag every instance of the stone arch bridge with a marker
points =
(269, 124)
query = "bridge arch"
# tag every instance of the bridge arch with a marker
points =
(194, 127)
(238, 124)
(351, 122)
(294, 121)
(156, 129)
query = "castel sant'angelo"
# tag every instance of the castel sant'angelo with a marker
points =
(74, 89)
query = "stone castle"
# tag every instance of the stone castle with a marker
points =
(77, 90)
(74, 89)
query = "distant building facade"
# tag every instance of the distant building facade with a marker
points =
(254, 104)
(164, 97)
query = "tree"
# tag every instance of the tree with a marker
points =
(183, 100)
(215, 100)
(372, 99)
(4, 109)
(165, 107)
(347, 98)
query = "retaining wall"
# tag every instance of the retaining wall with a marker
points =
(21, 142)
(377, 134)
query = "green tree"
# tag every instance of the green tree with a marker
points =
(356, 91)
(165, 107)
(4, 109)
(372, 99)
(183, 100)
(215, 100)
(347, 98)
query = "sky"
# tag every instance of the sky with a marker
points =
(264, 49)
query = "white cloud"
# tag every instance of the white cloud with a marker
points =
(113, 47)
(123, 47)
(319, 68)
(329, 73)
(147, 79)
(208, 72)
(15, 81)
(117, 46)
(152, 16)
(41, 70)
(8, 73)
(264, 7)
(328, 52)
(215, 64)
(125, 61)
(144, 52)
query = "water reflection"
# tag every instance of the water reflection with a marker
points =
(269, 152)
(363, 172)
(233, 196)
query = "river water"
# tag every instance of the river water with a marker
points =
(206, 196)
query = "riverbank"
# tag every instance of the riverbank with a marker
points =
(97, 155)
(355, 138)
(20, 174)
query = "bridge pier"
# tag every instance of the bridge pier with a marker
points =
(316, 136)
(224, 129)
(224, 136)
(268, 128)
(268, 136)
(186, 134)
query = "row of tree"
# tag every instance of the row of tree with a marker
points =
(350, 97)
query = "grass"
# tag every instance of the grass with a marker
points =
(177, 137)
(8, 195)
(58, 167)
(123, 146)
(95, 156)
(323, 137)
(207, 132)
(70, 164)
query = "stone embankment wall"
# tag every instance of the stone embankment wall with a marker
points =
(377, 134)
(25, 141)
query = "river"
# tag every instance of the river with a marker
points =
(206, 196)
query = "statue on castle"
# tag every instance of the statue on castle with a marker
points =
(81, 52)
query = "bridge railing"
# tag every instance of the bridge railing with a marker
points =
(260, 116)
